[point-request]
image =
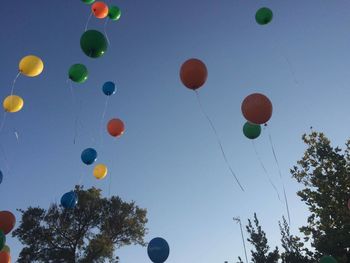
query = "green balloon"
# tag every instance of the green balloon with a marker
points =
(6, 249)
(251, 131)
(93, 43)
(89, 2)
(263, 16)
(2, 239)
(114, 13)
(78, 73)
(328, 259)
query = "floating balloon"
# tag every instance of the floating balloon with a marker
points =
(13, 103)
(2, 240)
(158, 250)
(78, 73)
(31, 66)
(257, 108)
(93, 43)
(100, 171)
(115, 127)
(5, 257)
(89, 2)
(108, 88)
(193, 73)
(69, 200)
(263, 16)
(7, 221)
(114, 13)
(99, 9)
(6, 249)
(89, 156)
(328, 259)
(1, 177)
(251, 130)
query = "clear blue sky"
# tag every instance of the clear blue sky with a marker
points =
(168, 160)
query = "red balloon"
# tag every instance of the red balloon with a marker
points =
(257, 108)
(7, 222)
(193, 73)
(5, 257)
(115, 127)
(99, 9)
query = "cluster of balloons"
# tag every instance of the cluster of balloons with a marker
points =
(7, 223)
(102, 10)
(158, 250)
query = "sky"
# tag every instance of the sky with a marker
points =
(169, 161)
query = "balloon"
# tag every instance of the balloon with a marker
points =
(328, 259)
(114, 13)
(31, 66)
(158, 250)
(5, 257)
(108, 88)
(2, 239)
(193, 73)
(257, 108)
(115, 127)
(89, 2)
(251, 130)
(100, 171)
(69, 200)
(1, 177)
(13, 103)
(99, 9)
(263, 16)
(6, 249)
(7, 221)
(93, 43)
(89, 156)
(78, 73)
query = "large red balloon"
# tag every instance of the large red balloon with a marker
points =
(257, 108)
(7, 221)
(99, 9)
(193, 73)
(115, 127)
(5, 257)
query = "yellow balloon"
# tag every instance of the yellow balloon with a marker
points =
(31, 66)
(13, 103)
(100, 171)
(6, 249)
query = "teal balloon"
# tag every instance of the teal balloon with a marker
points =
(89, 156)
(328, 259)
(93, 43)
(2, 240)
(69, 200)
(108, 88)
(263, 16)
(158, 250)
(251, 131)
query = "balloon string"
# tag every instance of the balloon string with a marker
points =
(76, 114)
(218, 140)
(87, 22)
(14, 82)
(3, 121)
(280, 174)
(5, 159)
(105, 30)
(102, 119)
(265, 171)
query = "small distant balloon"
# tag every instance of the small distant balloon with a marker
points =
(257, 108)
(31, 66)
(193, 73)
(251, 130)
(108, 88)
(89, 156)
(263, 16)
(158, 250)
(88, 2)
(93, 43)
(7, 221)
(328, 259)
(78, 73)
(99, 9)
(114, 13)
(5, 257)
(2, 239)
(100, 171)
(115, 127)
(13, 103)
(69, 200)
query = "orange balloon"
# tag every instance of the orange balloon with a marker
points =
(257, 108)
(5, 257)
(99, 9)
(193, 73)
(115, 127)
(7, 222)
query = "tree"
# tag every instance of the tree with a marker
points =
(90, 232)
(325, 173)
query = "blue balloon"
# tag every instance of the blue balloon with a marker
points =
(69, 200)
(158, 250)
(108, 88)
(89, 156)
(1, 177)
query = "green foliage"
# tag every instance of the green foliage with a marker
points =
(88, 233)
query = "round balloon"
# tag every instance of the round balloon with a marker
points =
(89, 156)
(6, 249)
(114, 13)
(251, 130)
(100, 171)
(5, 257)
(115, 127)
(93, 43)
(13, 103)
(1, 177)
(69, 200)
(31, 66)
(78, 73)
(99, 9)
(193, 73)
(257, 108)
(158, 250)
(108, 88)
(89, 2)
(7, 221)
(328, 259)
(2, 240)
(263, 16)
